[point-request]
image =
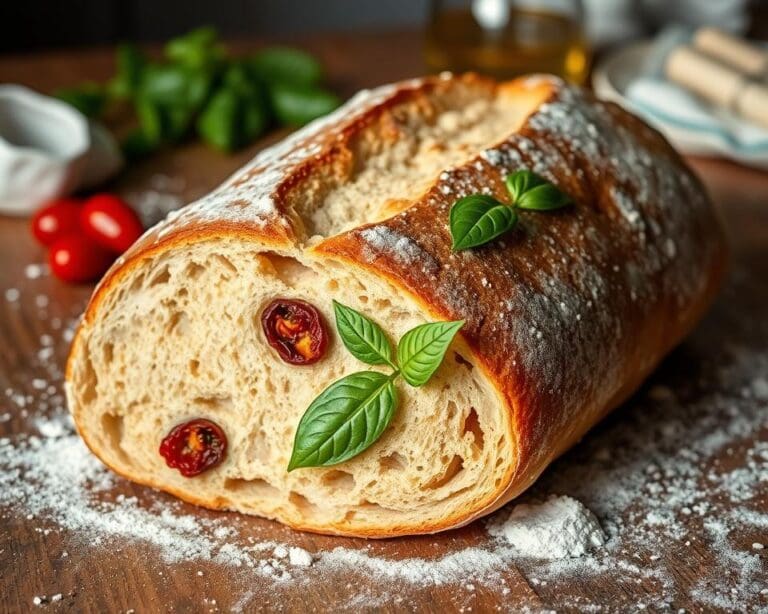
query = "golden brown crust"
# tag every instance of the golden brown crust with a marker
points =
(567, 314)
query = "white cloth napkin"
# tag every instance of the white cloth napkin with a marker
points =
(703, 128)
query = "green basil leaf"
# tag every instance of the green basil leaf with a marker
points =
(177, 85)
(519, 182)
(150, 119)
(421, 350)
(219, 123)
(239, 79)
(298, 105)
(346, 419)
(286, 65)
(130, 68)
(544, 197)
(531, 191)
(196, 48)
(254, 122)
(364, 338)
(176, 122)
(478, 219)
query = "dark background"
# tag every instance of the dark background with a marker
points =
(28, 25)
(43, 24)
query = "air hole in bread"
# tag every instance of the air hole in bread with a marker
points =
(363, 299)
(450, 411)
(112, 426)
(258, 447)
(271, 390)
(162, 277)
(289, 270)
(256, 487)
(462, 361)
(137, 284)
(194, 368)
(304, 505)
(451, 471)
(370, 505)
(393, 462)
(109, 353)
(339, 480)
(193, 270)
(88, 380)
(214, 402)
(472, 425)
(177, 322)
(225, 262)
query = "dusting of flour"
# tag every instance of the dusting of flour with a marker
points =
(559, 528)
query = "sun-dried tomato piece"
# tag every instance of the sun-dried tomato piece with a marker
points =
(194, 447)
(296, 330)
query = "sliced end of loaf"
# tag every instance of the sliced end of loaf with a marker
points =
(180, 338)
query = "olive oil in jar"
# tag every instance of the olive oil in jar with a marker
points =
(504, 39)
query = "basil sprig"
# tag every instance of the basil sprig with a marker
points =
(352, 413)
(478, 218)
(198, 87)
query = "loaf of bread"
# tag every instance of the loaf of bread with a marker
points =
(565, 315)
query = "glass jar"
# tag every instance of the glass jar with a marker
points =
(506, 38)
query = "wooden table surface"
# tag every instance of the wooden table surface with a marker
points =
(134, 576)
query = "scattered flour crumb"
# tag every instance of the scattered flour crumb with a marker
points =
(299, 557)
(760, 388)
(280, 552)
(33, 271)
(559, 528)
(12, 295)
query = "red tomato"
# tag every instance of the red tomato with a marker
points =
(58, 218)
(76, 258)
(110, 222)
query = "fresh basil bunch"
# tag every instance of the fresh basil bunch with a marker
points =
(228, 102)
(353, 412)
(478, 218)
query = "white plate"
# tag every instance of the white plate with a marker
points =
(611, 80)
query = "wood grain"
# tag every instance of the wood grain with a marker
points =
(131, 575)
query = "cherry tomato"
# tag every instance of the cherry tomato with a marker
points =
(76, 258)
(110, 222)
(194, 447)
(58, 218)
(296, 330)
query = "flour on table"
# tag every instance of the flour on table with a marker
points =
(559, 528)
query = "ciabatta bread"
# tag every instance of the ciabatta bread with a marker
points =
(565, 315)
